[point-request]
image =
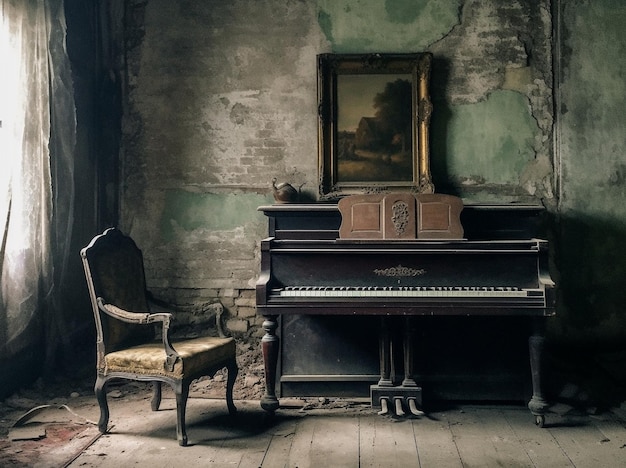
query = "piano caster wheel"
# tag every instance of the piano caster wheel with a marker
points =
(413, 408)
(384, 409)
(540, 420)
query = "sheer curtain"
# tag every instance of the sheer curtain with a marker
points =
(37, 141)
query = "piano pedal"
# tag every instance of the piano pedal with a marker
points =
(399, 409)
(384, 401)
(413, 407)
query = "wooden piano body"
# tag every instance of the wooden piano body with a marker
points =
(330, 295)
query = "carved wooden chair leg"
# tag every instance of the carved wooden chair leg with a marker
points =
(101, 395)
(182, 393)
(156, 396)
(233, 370)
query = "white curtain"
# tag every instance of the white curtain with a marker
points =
(37, 140)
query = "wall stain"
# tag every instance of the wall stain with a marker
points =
(403, 11)
(400, 25)
(190, 211)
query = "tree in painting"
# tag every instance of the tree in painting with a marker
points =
(393, 111)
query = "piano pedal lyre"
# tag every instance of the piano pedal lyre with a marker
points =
(399, 397)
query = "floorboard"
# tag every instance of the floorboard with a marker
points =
(335, 438)
(277, 455)
(435, 443)
(386, 443)
(539, 443)
(354, 436)
(587, 445)
(484, 438)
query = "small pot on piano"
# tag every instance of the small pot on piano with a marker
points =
(285, 192)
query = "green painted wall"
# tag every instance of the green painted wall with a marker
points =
(188, 211)
(385, 26)
(491, 127)
(489, 142)
(592, 157)
(220, 97)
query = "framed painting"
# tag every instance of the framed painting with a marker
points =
(374, 116)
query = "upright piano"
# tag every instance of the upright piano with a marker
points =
(498, 269)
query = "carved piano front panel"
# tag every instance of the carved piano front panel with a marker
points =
(400, 216)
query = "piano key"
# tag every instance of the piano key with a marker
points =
(419, 291)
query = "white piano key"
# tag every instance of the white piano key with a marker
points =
(407, 291)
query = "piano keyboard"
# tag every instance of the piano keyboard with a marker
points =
(419, 291)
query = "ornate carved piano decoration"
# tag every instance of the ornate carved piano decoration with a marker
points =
(492, 267)
(400, 216)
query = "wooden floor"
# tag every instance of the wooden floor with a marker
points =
(352, 435)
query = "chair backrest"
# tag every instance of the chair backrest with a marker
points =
(114, 271)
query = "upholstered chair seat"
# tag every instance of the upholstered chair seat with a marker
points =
(196, 355)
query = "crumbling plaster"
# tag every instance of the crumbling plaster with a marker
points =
(221, 100)
(480, 48)
(494, 87)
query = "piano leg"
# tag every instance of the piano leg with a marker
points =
(270, 344)
(538, 404)
(384, 353)
(408, 349)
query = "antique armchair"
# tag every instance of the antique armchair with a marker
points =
(129, 347)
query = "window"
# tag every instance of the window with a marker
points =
(34, 70)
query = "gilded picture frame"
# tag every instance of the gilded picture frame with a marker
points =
(374, 116)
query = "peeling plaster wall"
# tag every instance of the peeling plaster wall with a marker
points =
(592, 158)
(481, 49)
(219, 103)
(492, 93)
(222, 98)
(222, 92)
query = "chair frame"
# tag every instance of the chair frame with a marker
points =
(180, 386)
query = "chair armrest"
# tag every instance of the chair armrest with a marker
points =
(161, 305)
(124, 315)
(144, 318)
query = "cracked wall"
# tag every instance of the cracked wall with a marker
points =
(222, 99)
(492, 139)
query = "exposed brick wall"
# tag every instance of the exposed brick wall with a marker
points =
(220, 97)
(239, 307)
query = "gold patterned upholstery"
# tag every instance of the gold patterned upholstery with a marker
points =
(125, 332)
(150, 359)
